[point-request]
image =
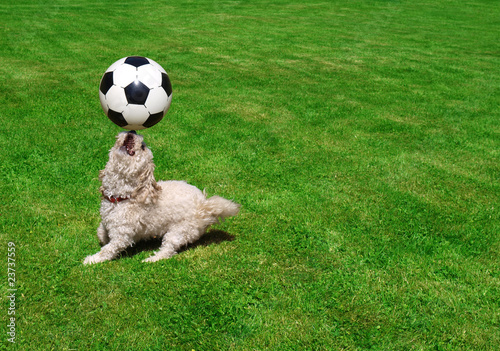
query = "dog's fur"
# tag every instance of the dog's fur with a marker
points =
(134, 206)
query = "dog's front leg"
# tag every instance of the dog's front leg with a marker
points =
(102, 235)
(108, 251)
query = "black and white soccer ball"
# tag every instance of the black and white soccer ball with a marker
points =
(135, 92)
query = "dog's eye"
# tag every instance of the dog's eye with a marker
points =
(143, 146)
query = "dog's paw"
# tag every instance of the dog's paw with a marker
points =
(151, 259)
(92, 259)
(159, 256)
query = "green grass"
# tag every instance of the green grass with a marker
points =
(361, 138)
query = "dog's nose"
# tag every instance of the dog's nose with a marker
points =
(133, 132)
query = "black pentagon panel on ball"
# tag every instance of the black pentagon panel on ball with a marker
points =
(153, 119)
(117, 118)
(136, 93)
(106, 82)
(165, 83)
(136, 61)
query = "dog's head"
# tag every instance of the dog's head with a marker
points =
(129, 171)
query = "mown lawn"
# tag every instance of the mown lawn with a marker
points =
(361, 138)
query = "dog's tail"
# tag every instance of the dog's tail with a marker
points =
(217, 208)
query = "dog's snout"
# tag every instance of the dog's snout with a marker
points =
(128, 143)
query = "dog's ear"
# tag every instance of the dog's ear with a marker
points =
(102, 174)
(148, 190)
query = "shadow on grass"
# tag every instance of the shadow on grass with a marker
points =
(212, 237)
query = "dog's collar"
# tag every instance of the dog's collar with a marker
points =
(114, 199)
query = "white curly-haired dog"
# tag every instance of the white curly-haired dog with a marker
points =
(134, 206)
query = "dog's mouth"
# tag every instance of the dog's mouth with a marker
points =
(128, 144)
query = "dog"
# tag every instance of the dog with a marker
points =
(135, 207)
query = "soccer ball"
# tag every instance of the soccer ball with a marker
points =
(135, 92)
